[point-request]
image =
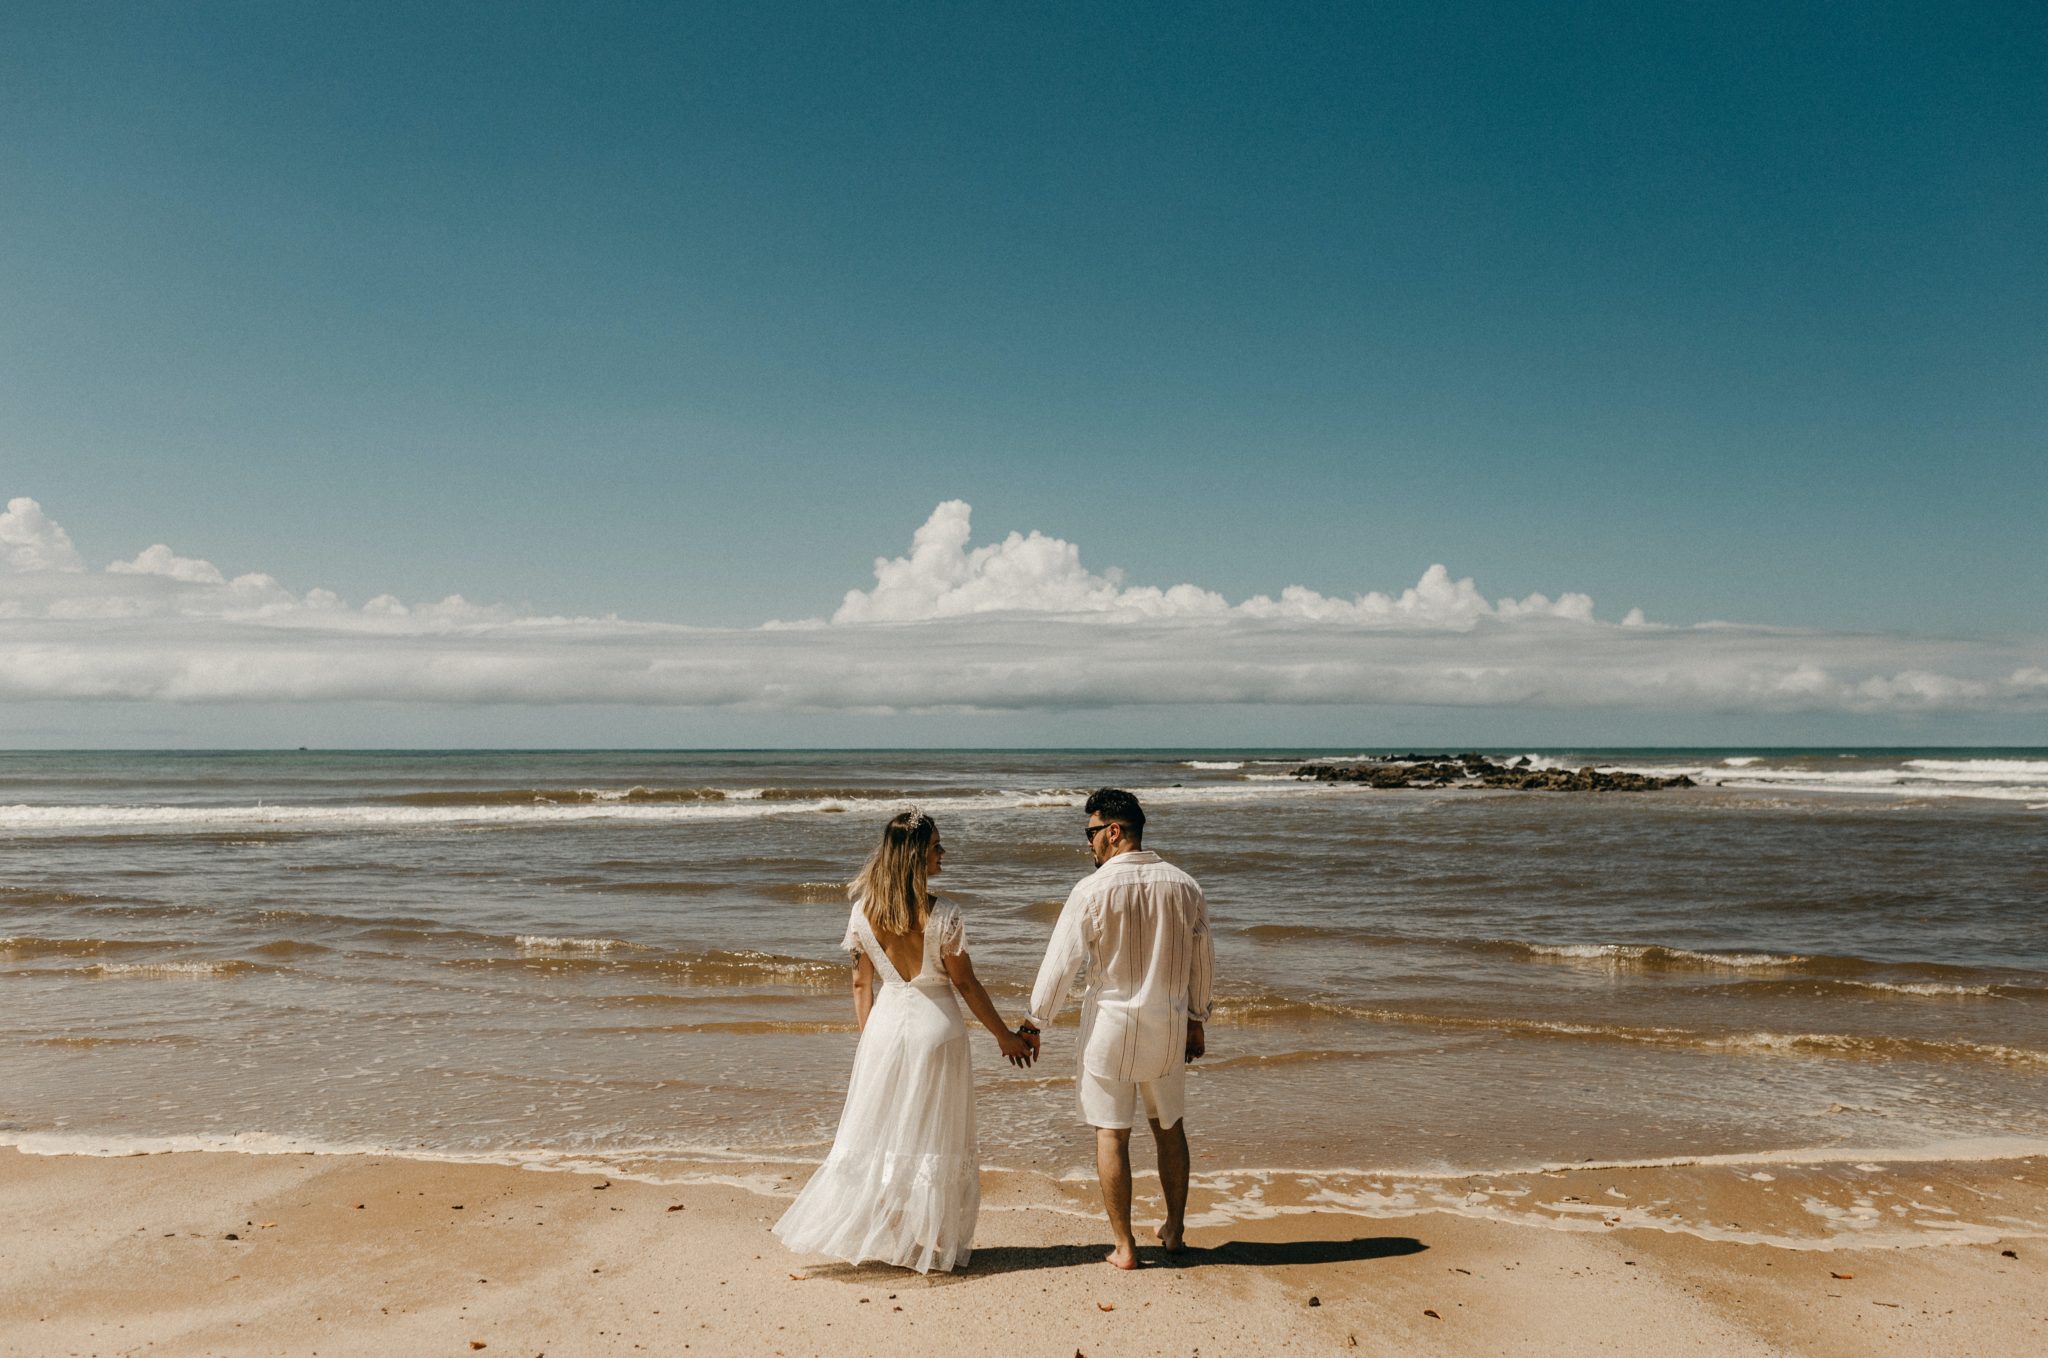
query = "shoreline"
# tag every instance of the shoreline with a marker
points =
(1838, 1188)
(225, 1252)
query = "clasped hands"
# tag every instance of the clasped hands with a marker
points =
(1022, 1046)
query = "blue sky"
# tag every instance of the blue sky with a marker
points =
(1726, 312)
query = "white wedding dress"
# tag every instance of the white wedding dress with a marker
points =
(902, 1184)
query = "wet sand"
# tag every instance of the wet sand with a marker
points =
(210, 1253)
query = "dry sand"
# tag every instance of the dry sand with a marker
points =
(211, 1253)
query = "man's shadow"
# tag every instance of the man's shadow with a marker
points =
(998, 1259)
(1234, 1253)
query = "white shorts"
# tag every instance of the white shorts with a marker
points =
(1110, 1103)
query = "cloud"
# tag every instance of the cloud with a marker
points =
(161, 560)
(1016, 624)
(31, 541)
(1031, 573)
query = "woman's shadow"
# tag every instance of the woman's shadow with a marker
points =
(1236, 1253)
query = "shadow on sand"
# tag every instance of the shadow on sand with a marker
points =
(1236, 1253)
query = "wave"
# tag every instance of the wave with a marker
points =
(77, 947)
(237, 822)
(290, 947)
(313, 818)
(1655, 955)
(1933, 989)
(1993, 779)
(173, 971)
(1311, 933)
(2030, 768)
(742, 1027)
(656, 888)
(1786, 968)
(555, 796)
(803, 893)
(1903, 977)
(705, 968)
(1258, 1060)
(1227, 764)
(586, 796)
(86, 1043)
(29, 896)
(544, 943)
(1263, 1008)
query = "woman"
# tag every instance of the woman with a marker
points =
(903, 1182)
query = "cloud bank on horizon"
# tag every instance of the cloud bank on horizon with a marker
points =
(1032, 573)
(1017, 624)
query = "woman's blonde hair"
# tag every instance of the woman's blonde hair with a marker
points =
(891, 885)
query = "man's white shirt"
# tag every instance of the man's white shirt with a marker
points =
(1141, 927)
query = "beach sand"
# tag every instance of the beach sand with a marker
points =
(228, 1253)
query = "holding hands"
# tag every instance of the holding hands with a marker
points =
(1019, 1049)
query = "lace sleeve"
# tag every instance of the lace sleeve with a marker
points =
(851, 943)
(952, 934)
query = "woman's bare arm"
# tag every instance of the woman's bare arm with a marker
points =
(863, 989)
(960, 968)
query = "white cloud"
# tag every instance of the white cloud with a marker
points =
(31, 541)
(1031, 573)
(1016, 624)
(161, 560)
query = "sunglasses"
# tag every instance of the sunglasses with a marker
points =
(1089, 834)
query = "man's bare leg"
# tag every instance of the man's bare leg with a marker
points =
(1173, 1182)
(1113, 1171)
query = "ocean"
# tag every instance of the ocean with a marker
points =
(626, 959)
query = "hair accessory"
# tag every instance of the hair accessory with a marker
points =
(916, 821)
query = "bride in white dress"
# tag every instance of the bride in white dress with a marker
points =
(902, 1184)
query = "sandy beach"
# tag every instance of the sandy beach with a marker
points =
(211, 1253)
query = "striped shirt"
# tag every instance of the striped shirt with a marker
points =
(1141, 927)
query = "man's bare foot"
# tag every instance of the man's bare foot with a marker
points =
(1172, 1238)
(1123, 1256)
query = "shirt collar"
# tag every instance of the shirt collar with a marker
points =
(1136, 858)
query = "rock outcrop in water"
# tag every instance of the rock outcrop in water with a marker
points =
(1476, 770)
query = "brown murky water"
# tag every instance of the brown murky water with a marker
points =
(627, 957)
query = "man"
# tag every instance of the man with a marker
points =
(1141, 927)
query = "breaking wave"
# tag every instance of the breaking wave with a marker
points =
(1264, 1008)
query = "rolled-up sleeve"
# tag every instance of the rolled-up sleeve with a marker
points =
(1202, 971)
(1063, 959)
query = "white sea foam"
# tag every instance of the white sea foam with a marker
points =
(2025, 768)
(1650, 952)
(166, 971)
(737, 805)
(1212, 764)
(548, 943)
(1987, 779)
(1237, 1194)
(1932, 989)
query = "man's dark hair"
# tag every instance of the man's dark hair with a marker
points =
(1115, 804)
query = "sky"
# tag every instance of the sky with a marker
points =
(496, 374)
